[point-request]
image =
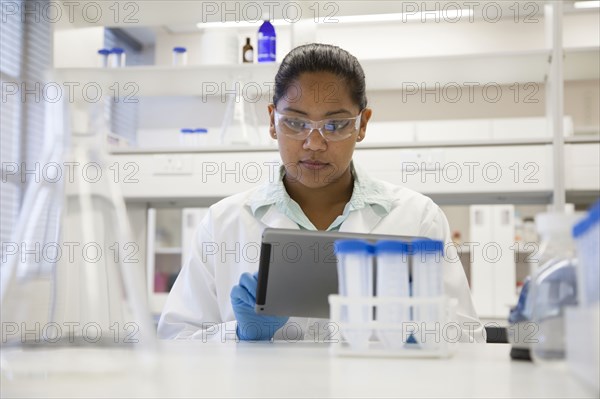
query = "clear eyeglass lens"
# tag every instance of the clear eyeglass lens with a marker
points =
(332, 129)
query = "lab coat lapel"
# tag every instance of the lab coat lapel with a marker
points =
(361, 221)
(275, 219)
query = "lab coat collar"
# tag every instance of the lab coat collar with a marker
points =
(363, 221)
(275, 219)
(369, 197)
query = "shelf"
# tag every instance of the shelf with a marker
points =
(168, 251)
(364, 146)
(508, 68)
(169, 81)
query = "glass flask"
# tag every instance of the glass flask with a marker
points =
(553, 286)
(72, 296)
(240, 124)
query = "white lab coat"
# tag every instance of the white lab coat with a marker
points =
(227, 243)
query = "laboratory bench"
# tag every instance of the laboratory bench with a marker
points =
(307, 369)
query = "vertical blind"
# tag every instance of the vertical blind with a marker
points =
(25, 48)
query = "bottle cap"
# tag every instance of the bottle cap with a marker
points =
(352, 246)
(390, 246)
(186, 130)
(201, 130)
(117, 50)
(104, 51)
(179, 49)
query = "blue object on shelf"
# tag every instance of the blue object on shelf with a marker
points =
(266, 42)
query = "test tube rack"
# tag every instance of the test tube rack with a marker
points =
(417, 337)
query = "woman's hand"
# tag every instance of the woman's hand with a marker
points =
(252, 326)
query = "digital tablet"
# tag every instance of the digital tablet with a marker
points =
(298, 271)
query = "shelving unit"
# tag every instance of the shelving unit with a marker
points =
(509, 68)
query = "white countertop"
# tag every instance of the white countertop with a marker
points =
(246, 369)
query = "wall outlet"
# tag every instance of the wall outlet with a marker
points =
(173, 165)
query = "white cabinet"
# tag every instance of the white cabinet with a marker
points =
(170, 233)
(493, 271)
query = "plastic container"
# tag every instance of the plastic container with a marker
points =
(193, 137)
(587, 238)
(583, 344)
(553, 285)
(103, 54)
(240, 122)
(355, 280)
(427, 272)
(179, 56)
(392, 282)
(266, 43)
(201, 138)
(117, 57)
(186, 137)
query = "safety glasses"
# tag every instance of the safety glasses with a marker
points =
(334, 129)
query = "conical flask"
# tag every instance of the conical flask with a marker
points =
(72, 296)
(240, 124)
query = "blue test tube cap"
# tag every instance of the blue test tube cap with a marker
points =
(117, 50)
(185, 130)
(104, 51)
(391, 246)
(179, 49)
(590, 219)
(201, 130)
(581, 227)
(428, 246)
(594, 212)
(352, 246)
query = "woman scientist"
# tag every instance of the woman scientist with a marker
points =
(319, 113)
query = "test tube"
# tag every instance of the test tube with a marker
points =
(117, 57)
(179, 56)
(103, 57)
(392, 282)
(355, 271)
(428, 282)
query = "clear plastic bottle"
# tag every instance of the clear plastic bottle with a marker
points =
(202, 139)
(185, 137)
(117, 57)
(179, 56)
(392, 282)
(587, 236)
(355, 271)
(553, 285)
(428, 282)
(103, 54)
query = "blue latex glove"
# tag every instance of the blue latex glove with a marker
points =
(250, 325)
